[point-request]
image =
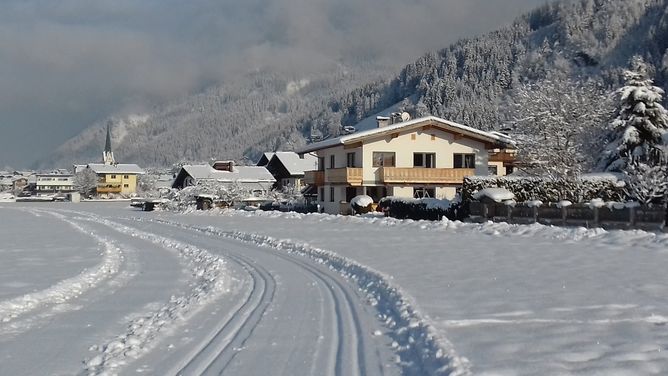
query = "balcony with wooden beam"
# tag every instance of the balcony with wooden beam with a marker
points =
(346, 175)
(420, 175)
(316, 178)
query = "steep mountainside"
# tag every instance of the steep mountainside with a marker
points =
(470, 82)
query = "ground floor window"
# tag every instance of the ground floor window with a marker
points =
(331, 194)
(321, 194)
(493, 170)
(424, 192)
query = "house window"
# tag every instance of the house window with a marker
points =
(331, 194)
(332, 161)
(426, 160)
(126, 185)
(383, 159)
(464, 161)
(424, 192)
(321, 194)
(126, 176)
(493, 170)
(113, 176)
(350, 159)
(321, 164)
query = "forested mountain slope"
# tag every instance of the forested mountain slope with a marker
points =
(472, 81)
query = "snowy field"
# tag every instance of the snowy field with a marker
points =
(98, 288)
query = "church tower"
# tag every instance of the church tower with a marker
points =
(108, 155)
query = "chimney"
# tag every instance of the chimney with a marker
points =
(383, 121)
(223, 166)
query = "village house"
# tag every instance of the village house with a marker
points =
(288, 170)
(113, 178)
(256, 180)
(54, 182)
(425, 157)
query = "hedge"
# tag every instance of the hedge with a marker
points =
(607, 188)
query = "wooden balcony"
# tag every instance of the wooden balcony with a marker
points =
(346, 175)
(316, 178)
(419, 175)
(109, 188)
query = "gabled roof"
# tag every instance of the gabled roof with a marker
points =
(121, 168)
(266, 157)
(488, 137)
(240, 173)
(294, 164)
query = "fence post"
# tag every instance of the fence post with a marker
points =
(564, 214)
(484, 210)
(632, 216)
(596, 216)
(535, 214)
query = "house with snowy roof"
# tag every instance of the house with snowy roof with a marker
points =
(254, 179)
(112, 177)
(265, 158)
(57, 181)
(288, 169)
(425, 157)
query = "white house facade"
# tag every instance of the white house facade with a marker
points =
(426, 157)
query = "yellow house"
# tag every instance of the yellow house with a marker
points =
(425, 157)
(116, 178)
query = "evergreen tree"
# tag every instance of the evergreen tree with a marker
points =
(640, 130)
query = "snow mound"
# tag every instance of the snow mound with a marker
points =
(361, 201)
(496, 194)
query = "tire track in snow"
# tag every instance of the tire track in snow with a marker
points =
(420, 349)
(67, 289)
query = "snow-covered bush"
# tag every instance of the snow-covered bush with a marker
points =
(416, 209)
(361, 204)
(608, 187)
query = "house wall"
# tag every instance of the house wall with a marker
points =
(443, 144)
(500, 169)
(128, 182)
(433, 140)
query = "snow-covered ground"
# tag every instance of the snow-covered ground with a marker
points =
(284, 293)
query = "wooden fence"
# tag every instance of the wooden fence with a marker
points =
(621, 217)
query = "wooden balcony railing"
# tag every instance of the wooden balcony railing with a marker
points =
(109, 188)
(346, 175)
(419, 175)
(316, 178)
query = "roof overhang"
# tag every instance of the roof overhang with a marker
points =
(491, 140)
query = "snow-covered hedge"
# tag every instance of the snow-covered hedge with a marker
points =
(416, 209)
(608, 187)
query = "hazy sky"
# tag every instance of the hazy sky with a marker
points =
(66, 63)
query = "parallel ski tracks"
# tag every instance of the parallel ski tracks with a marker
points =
(346, 348)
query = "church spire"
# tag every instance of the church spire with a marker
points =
(108, 155)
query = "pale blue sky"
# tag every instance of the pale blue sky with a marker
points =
(65, 64)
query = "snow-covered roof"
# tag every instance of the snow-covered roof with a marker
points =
(294, 164)
(493, 137)
(101, 168)
(240, 173)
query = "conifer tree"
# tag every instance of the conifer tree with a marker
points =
(639, 133)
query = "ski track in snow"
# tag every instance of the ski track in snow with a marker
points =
(209, 282)
(420, 349)
(68, 289)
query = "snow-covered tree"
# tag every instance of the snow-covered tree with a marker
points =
(555, 122)
(85, 182)
(639, 131)
(645, 183)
